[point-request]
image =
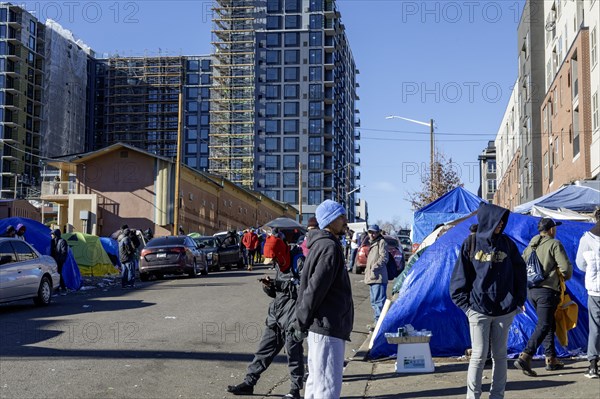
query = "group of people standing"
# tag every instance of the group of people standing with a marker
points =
(490, 284)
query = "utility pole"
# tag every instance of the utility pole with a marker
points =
(178, 165)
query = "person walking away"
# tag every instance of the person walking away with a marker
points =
(325, 308)
(277, 335)
(20, 234)
(59, 251)
(127, 257)
(276, 249)
(545, 296)
(376, 276)
(490, 285)
(588, 261)
(250, 241)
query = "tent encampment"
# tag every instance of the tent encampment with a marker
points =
(38, 236)
(452, 205)
(89, 254)
(573, 197)
(424, 299)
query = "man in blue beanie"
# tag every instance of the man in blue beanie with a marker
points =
(325, 308)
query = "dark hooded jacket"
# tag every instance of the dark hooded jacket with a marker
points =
(282, 310)
(492, 278)
(325, 303)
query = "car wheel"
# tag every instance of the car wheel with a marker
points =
(144, 276)
(44, 294)
(194, 272)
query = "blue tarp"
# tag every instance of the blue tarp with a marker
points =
(451, 206)
(111, 246)
(424, 299)
(573, 197)
(38, 236)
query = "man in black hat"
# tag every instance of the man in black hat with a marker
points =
(545, 296)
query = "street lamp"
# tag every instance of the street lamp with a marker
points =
(352, 191)
(431, 139)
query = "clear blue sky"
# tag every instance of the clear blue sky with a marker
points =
(451, 61)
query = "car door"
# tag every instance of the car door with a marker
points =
(8, 271)
(30, 268)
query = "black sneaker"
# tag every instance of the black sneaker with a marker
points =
(241, 389)
(591, 373)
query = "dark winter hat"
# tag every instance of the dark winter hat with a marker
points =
(546, 224)
(21, 226)
(55, 232)
(10, 229)
(374, 228)
(328, 211)
(312, 222)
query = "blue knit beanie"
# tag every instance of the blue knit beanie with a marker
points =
(327, 212)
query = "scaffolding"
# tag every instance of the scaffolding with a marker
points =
(232, 98)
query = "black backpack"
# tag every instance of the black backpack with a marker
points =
(392, 268)
(535, 271)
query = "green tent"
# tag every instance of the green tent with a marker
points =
(89, 254)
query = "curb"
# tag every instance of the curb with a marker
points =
(358, 372)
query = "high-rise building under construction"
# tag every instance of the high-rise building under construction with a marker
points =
(283, 101)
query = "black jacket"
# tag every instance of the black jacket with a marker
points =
(492, 278)
(282, 310)
(325, 303)
(59, 250)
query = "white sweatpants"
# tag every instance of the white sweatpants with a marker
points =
(325, 367)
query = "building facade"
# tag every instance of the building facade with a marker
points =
(487, 172)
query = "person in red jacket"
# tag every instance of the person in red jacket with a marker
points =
(250, 242)
(277, 249)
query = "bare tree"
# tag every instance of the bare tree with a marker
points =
(444, 179)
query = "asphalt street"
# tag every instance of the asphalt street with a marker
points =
(172, 338)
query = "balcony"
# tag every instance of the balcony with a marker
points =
(57, 191)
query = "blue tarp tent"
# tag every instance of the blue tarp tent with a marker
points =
(573, 197)
(38, 236)
(111, 246)
(424, 299)
(452, 205)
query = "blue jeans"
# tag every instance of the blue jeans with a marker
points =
(377, 298)
(352, 258)
(127, 274)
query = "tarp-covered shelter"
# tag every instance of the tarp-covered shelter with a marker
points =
(424, 299)
(89, 254)
(573, 197)
(452, 205)
(38, 236)
(111, 247)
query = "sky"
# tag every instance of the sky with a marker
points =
(451, 61)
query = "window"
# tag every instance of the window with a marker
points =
(290, 196)
(290, 126)
(292, 21)
(191, 148)
(192, 106)
(273, 74)
(545, 165)
(273, 57)
(291, 74)
(271, 161)
(315, 39)
(576, 132)
(290, 179)
(273, 5)
(205, 65)
(291, 144)
(291, 108)
(272, 127)
(316, 5)
(315, 74)
(314, 108)
(272, 91)
(290, 162)
(315, 197)
(191, 134)
(292, 39)
(291, 57)
(3, 34)
(594, 47)
(273, 40)
(315, 92)
(314, 144)
(273, 22)
(271, 179)
(315, 126)
(556, 150)
(595, 112)
(23, 251)
(193, 78)
(491, 186)
(290, 91)
(272, 109)
(191, 162)
(292, 5)
(314, 162)
(491, 166)
(192, 120)
(272, 144)
(315, 56)
(316, 21)
(315, 180)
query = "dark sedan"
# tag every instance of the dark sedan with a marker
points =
(172, 255)
(210, 246)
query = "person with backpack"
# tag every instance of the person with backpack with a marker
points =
(127, 256)
(250, 242)
(545, 294)
(376, 275)
(59, 251)
(489, 283)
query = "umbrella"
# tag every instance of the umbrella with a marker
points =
(284, 223)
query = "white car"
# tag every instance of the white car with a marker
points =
(25, 273)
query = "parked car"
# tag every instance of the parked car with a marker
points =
(228, 255)
(25, 273)
(172, 255)
(406, 243)
(393, 246)
(210, 246)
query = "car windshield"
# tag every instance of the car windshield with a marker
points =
(207, 241)
(168, 240)
(405, 241)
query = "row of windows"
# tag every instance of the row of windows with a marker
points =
(290, 179)
(292, 108)
(192, 162)
(315, 197)
(290, 91)
(195, 106)
(315, 21)
(272, 162)
(292, 74)
(292, 39)
(197, 65)
(273, 57)
(192, 134)
(292, 126)
(197, 79)
(192, 120)
(272, 144)
(193, 148)
(274, 6)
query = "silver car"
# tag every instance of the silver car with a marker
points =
(25, 273)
